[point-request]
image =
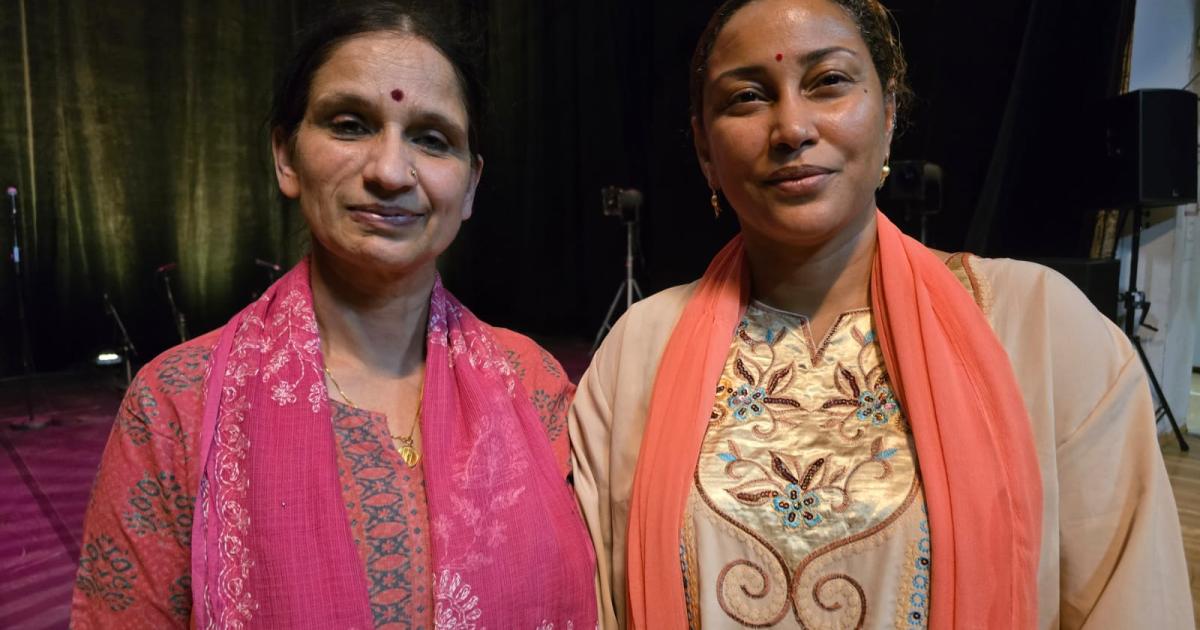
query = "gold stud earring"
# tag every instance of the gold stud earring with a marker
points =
(716, 204)
(887, 170)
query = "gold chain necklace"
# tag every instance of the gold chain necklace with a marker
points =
(408, 451)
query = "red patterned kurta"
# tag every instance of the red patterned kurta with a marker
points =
(134, 569)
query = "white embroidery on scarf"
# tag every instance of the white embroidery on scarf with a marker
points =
(480, 350)
(549, 625)
(232, 447)
(282, 346)
(482, 468)
(294, 321)
(455, 608)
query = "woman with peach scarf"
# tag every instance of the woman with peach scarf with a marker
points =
(838, 427)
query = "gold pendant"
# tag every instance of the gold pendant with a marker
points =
(410, 455)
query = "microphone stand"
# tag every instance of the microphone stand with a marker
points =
(176, 314)
(128, 351)
(22, 322)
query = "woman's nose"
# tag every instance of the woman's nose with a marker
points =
(390, 163)
(793, 126)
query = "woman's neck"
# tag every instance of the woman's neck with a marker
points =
(821, 282)
(369, 322)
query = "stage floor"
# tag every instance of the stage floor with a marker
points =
(46, 473)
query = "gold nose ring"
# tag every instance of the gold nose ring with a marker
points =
(413, 172)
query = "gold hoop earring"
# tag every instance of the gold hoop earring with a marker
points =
(716, 204)
(887, 170)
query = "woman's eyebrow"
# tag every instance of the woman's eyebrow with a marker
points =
(807, 59)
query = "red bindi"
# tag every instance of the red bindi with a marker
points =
(397, 95)
(778, 56)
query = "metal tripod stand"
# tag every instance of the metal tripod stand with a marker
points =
(629, 287)
(1134, 301)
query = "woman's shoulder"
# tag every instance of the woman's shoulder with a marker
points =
(664, 305)
(1030, 290)
(167, 394)
(1059, 344)
(636, 342)
(180, 368)
(649, 322)
(528, 358)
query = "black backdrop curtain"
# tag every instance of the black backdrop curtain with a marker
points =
(147, 146)
(1040, 194)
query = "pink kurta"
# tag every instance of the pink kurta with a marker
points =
(135, 565)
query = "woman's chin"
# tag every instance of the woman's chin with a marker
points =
(382, 258)
(800, 226)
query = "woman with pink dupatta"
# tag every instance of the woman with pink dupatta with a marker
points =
(354, 449)
(838, 428)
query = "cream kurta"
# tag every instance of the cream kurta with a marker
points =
(1111, 553)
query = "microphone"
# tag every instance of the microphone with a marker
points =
(631, 198)
(165, 268)
(267, 264)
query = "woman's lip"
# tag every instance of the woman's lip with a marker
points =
(377, 219)
(801, 186)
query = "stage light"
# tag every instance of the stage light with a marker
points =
(107, 358)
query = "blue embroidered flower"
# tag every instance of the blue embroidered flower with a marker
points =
(878, 407)
(798, 506)
(746, 401)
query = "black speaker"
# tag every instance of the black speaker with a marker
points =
(1150, 149)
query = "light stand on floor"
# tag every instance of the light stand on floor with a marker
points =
(626, 204)
(1147, 159)
(1135, 301)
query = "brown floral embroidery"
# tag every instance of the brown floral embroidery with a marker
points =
(807, 459)
(756, 392)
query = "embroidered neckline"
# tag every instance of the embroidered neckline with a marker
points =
(816, 349)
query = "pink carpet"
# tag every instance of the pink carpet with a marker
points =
(46, 473)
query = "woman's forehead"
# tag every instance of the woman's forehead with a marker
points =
(376, 65)
(787, 28)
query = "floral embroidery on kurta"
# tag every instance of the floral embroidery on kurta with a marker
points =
(806, 477)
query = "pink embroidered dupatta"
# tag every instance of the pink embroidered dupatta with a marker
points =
(271, 541)
(973, 438)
